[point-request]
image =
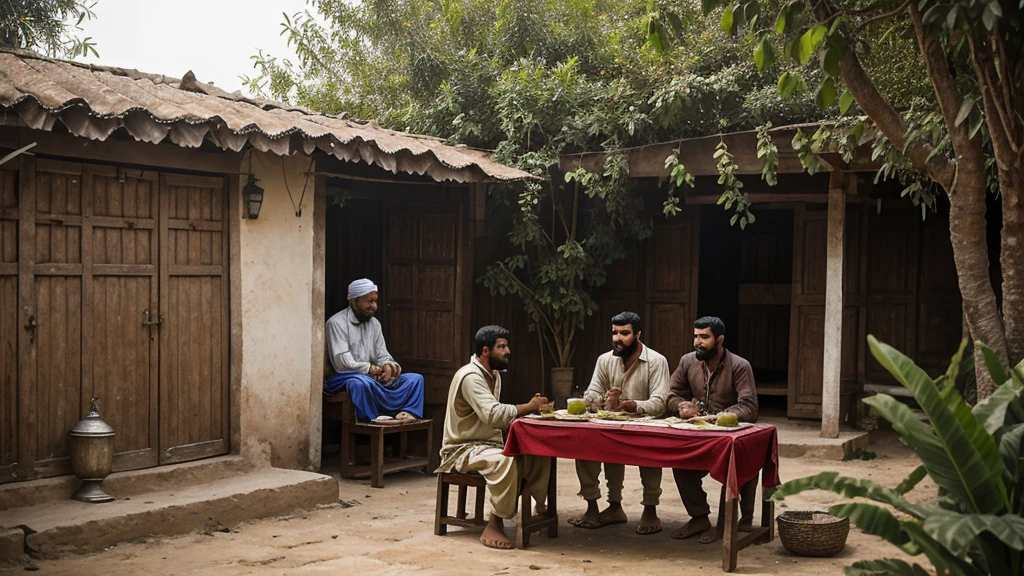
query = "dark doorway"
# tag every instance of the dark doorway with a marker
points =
(745, 279)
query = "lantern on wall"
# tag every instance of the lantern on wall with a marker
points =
(252, 197)
(92, 455)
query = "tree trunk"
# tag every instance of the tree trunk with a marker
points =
(1011, 257)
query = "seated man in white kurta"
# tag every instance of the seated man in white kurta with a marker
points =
(363, 365)
(472, 434)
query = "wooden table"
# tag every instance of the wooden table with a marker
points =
(732, 458)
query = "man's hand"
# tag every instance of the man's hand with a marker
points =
(375, 372)
(536, 402)
(687, 409)
(628, 406)
(611, 399)
(387, 372)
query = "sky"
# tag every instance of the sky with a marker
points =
(213, 38)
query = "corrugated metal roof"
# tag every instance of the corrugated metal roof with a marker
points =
(94, 101)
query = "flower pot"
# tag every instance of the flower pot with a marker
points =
(561, 385)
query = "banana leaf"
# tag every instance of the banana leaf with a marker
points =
(912, 480)
(852, 488)
(971, 452)
(995, 367)
(991, 411)
(941, 558)
(953, 371)
(885, 567)
(958, 532)
(877, 521)
(943, 468)
(1009, 448)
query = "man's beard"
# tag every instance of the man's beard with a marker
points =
(360, 316)
(707, 353)
(497, 361)
(626, 351)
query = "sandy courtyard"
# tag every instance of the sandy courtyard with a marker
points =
(390, 531)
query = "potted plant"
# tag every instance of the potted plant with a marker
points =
(564, 234)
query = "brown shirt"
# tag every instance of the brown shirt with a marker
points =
(732, 386)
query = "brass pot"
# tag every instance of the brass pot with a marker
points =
(92, 455)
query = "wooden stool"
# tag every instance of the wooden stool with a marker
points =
(339, 407)
(464, 482)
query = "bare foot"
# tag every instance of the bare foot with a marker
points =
(649, 522)
(405, 417)
(494, 535)
(695, 526)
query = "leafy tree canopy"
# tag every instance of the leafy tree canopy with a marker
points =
(46, 26)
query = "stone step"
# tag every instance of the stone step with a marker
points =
(67, 525)
(124, 484)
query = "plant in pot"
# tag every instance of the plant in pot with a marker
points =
(564, 234)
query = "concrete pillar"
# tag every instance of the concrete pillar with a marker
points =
(831, 381)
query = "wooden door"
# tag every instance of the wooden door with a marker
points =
(807, 311)
(673, 258)
(9, 322)
(892, 283)
(193, 318)
(120, 283)
(422, 292)
(50, 292)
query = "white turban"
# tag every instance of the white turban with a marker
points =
(361, 287)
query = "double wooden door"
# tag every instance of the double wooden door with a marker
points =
(113, 284)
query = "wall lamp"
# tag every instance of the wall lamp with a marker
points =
(252, 196)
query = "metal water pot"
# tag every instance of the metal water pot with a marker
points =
(92, 455)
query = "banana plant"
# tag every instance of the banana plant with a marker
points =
(974, 525)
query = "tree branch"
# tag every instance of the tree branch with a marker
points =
(902, 7)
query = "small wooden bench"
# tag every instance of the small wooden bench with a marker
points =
(339, 407)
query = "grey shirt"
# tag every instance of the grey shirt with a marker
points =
(354, 346)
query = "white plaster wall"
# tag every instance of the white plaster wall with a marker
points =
(276, 264)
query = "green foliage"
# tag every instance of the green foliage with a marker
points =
(43, 25)
(732, 188)
(974, 456)
(532, 80)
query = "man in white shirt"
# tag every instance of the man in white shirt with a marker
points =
(363, 365)
(633, 378)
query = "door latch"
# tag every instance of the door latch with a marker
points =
(30, 327)
(148, 321)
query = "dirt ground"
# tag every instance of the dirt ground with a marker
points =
(390, 531)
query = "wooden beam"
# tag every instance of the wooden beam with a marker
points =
(831, 377)
(697, 155)
(127, 153)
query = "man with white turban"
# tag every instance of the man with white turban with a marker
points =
(363, 365)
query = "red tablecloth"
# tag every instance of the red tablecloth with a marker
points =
(733, 458)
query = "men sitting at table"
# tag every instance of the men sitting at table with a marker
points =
(634, 378)
(473, 425)
(363, 365)
(723, 382)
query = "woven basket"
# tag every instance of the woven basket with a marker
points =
(813, 533)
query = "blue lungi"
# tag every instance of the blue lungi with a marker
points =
(372, 399)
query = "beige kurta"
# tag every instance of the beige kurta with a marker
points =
(646, 381)
(473, 440)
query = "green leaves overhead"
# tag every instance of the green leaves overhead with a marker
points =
(764, 54)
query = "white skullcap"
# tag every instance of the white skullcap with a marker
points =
(361, 287)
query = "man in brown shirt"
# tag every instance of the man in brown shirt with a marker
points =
(722, 382)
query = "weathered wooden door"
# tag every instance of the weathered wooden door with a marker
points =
(807, 320)
(673, 258)
(95, 263)
(9, 307)
(422, 292)
(194, 318)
